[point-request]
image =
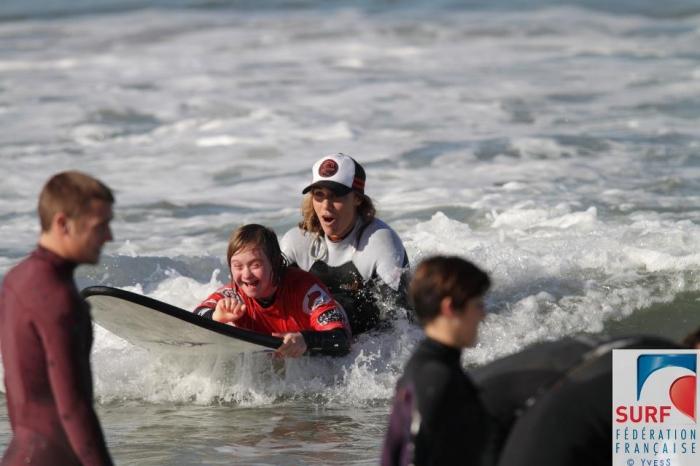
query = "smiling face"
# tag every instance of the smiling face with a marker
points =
(252, 272)
(336, 214)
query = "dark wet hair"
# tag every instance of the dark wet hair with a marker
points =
(258, 236)
(442, 277)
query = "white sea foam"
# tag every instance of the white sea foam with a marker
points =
(124, 371)
(555, 148)
(556, 272)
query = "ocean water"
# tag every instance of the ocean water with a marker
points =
(554, 143)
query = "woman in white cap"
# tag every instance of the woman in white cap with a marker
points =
(357, 256)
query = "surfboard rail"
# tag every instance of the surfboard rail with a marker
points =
(110, 310)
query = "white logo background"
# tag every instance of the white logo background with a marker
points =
(655, 392)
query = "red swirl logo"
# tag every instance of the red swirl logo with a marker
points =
(328, 168)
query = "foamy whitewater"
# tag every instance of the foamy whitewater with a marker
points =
(556, 147)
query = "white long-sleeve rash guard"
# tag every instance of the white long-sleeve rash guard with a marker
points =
(371, 256)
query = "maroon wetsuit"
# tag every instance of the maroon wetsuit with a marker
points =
(46, 336)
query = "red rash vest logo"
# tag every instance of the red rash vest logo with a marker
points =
(328, 168)
(315, 298)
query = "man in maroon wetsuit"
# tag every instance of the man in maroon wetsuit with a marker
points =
(46, 332)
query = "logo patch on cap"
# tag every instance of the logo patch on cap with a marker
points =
(328, 168)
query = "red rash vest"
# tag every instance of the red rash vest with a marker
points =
(301, 303)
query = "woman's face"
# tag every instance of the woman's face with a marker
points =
(337, 214)
(252, 272)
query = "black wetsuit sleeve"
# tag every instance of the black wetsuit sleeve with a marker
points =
(402, 293)
(570, 424)
(329, 342)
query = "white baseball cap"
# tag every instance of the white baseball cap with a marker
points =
(338, 172)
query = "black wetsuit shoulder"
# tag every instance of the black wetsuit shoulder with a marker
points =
(552, 402)
(452, 419)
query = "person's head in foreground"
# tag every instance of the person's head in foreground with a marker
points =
(692, 340)
(255, 260)
(75, 210)
(447, 293)
(336, 198)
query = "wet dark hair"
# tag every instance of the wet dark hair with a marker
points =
(442, 277)
(258, 236)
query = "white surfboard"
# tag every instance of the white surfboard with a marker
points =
(155, 325)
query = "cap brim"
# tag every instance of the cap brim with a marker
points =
(337, 188)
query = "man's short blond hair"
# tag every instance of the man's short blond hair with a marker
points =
(72, 193)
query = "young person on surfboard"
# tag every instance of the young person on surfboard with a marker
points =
(46, 333)
(357, 256)
(437, 417)
(267, 296)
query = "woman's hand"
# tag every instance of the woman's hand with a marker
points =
(229, 310)
(293, 345)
